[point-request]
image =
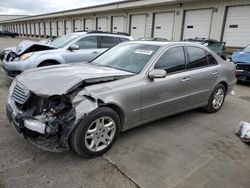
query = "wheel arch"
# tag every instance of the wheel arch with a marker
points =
(118, 110)
(225, 84)
(49, 60)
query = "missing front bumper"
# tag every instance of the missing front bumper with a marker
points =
(34, 132)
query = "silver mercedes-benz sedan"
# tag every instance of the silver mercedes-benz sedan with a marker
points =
(85, 106)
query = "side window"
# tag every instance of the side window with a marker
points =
(211, 59)
(197, 56)
(108, 42)
(123, 39)
(172, 60)
(87, 42)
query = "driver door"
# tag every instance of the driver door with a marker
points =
(163, 96)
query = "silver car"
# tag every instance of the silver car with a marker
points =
(71, 48)
(85, 106)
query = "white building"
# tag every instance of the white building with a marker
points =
(224, 20)
(4, 17)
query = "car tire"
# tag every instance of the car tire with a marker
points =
(216, 99)
(91, 138)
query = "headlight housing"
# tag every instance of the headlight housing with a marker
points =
(26, 56)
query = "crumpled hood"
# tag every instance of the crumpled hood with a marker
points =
(241, 57)
(60, 79)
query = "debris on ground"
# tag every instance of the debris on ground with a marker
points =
(243, 131)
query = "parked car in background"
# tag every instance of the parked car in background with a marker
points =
(71, 48)
(84, 106)
(216, 46)
(5, 33)
(242, 61)
(154, 39)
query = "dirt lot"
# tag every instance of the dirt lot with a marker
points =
(192, 149)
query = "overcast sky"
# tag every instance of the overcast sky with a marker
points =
(31, 7)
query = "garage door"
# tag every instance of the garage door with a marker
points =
(60, 28)
(88, 24)
(78, 25)
(197, 23)
(37, 28)
(237, 27)
(138, 26)
(47, 28)
(24, 29)
(28, 29)
(68, 26)
(21, 29)
(101, 24)
(32, 25)
(42, 28)
(118, 24)
(54, 28)
(163, 25)
(17, 28)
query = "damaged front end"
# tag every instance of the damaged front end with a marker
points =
(44, 121)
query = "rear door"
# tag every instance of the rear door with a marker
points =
(204, 71)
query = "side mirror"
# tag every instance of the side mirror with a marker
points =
(157, 73)
(74, 47)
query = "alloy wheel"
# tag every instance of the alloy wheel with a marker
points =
(100, 134)
(218, 98)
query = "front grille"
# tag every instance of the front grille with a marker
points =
(244, 67)
(20, 93)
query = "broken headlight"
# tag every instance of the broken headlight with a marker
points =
(26, 56)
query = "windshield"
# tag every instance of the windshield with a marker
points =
(247, 49)
(64, 40)
(128, 57)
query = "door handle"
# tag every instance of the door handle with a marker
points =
(185, 79)
(215, 73)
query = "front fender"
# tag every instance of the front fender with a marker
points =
(41, 58)
(83, 106)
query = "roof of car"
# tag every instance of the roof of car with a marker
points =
(121, 34)
(160, 43)
(199, 39)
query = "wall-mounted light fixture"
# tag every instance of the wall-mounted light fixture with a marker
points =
(179, 5)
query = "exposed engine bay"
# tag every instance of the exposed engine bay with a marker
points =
(47, 121)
